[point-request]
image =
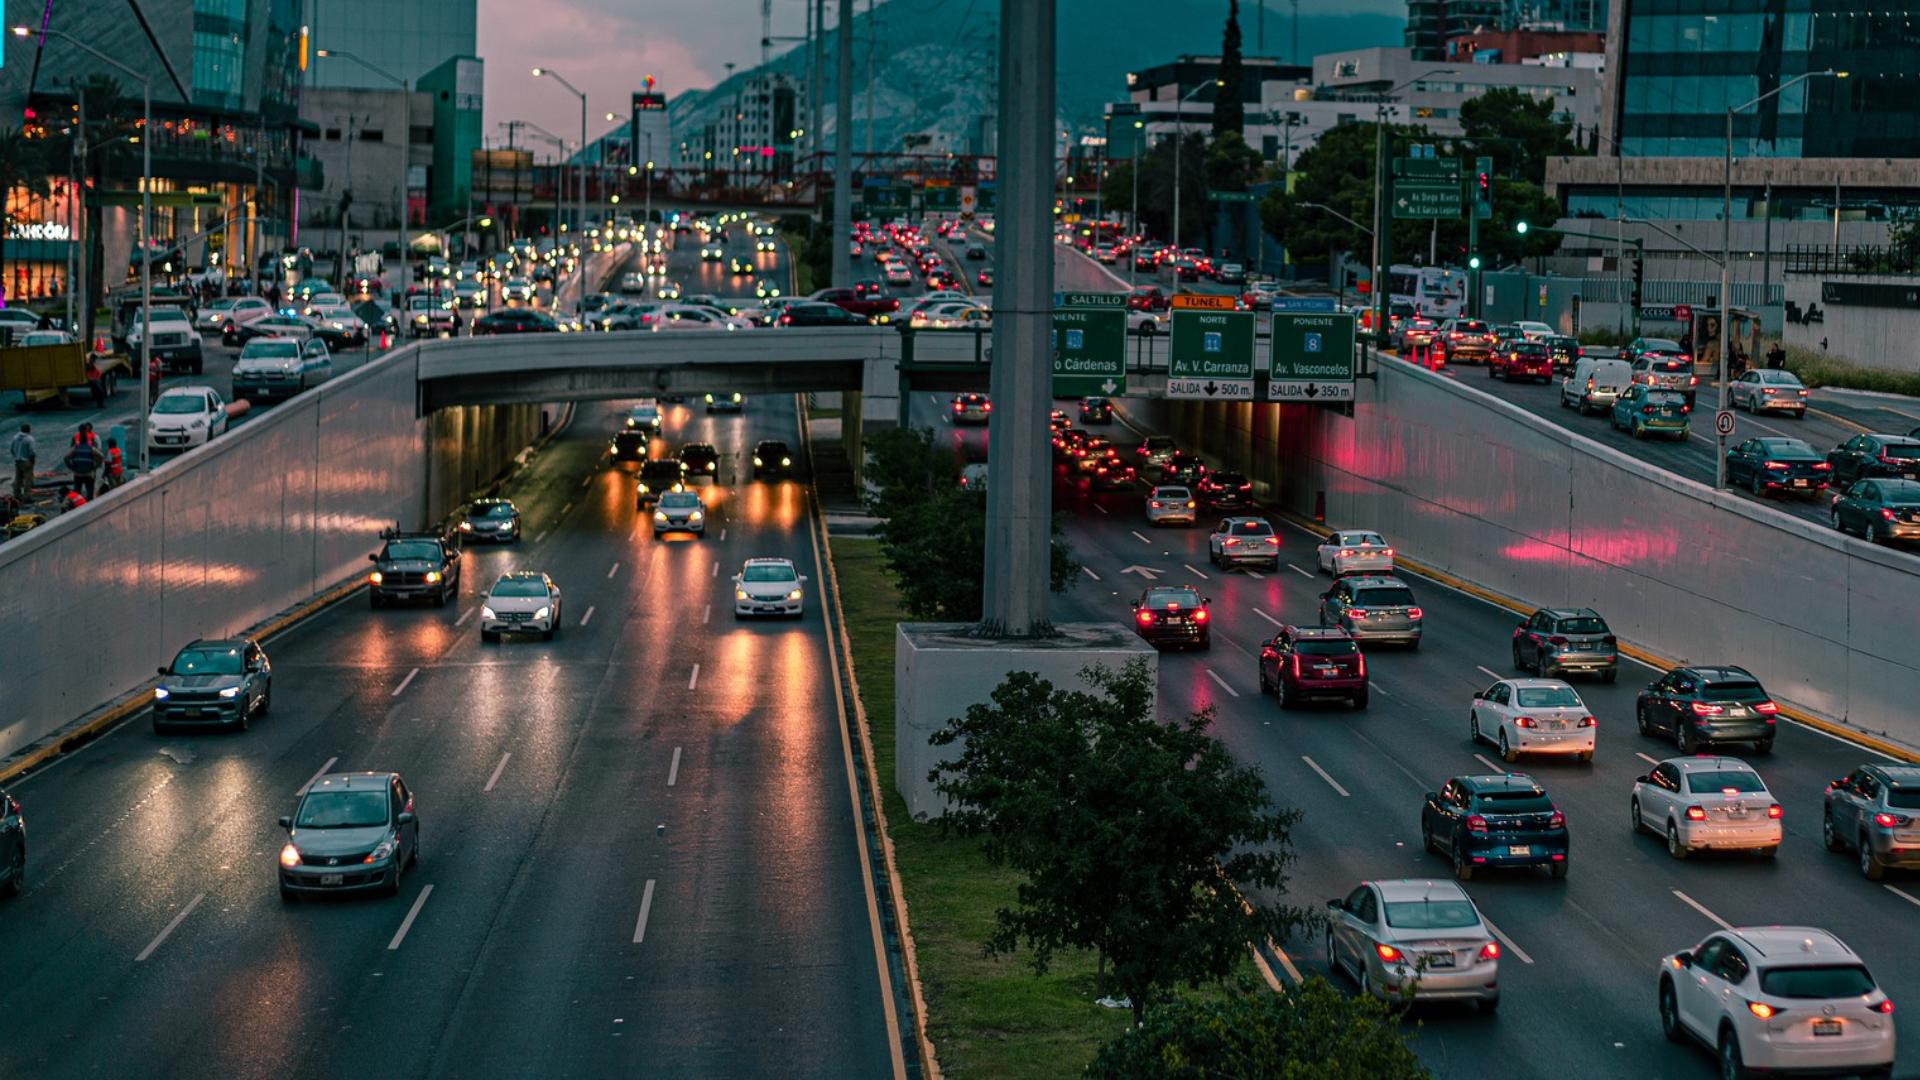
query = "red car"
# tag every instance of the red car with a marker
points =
(1111, 473)
(1147, 298)
(1306, 663)
(1522, 360)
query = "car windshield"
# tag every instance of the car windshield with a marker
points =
(1741, 690)
(679, 500)
(1171, 598)
(1904, 798)
(271, 350)
(767, 572)
(1665, 397)
(413, 549)
(207, 661)
(493, 510)
(660, 468)
(332, 312)
(1582, 624)
(772, 448)
(1655, 344)
(1779, 378)
(1431, 914)
(1787, 448)
(1172, 493)
(1382, 598)
(519, 586)
(180, 403)
(1708, 781)
(342, 810)
(222, 304)
(1546, 697)
(167, 314)
(1363, 539)
(1470, 326)
(1669, 366)
(1533, 801)
(1229, 479)
(1326, 647)
(1252, 528)
(1158, 442)
(1825, 981)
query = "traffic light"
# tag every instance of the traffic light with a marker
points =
(1520, 227)
(1639, 276)
(1473, 262)
(1483, 188)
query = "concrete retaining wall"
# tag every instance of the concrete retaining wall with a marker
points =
(281, 508)
(1490, 494)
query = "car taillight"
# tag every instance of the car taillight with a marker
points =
(1146, 618)
(1388, 552)
(1884, 1008)
(1696, 813)
(1775, 811)
(1777, 465)
(1646, 410)
(1525, 722)
(1490, 951)
(1589, 721)
(1761, 1009)
(1477, 824)
(1558, 820)
(1189, 504)
(1803, 393)
(1200, 616)
(1414, 613)
(1345, 552)
(987, 407)
(1693, 380)
(1388, 953)
(1822, 467)
(1356, 613)
(1885, 458)
(1557, 641)
(1362, 669)
(1701, 708)
(1766, 708)
(1609, 640)
(1888, 514)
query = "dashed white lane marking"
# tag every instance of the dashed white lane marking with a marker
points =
(464, 616)
(693, 680)
(723, 536)
(1100, 508)
(1256, 575)
(707, 616)
(1088, 570)
(646, 905)
(1904, 895)
(1646, 758)
(1508, 942)
(1488, 762)
(1299, 571)
(542, 535)
(612, 570)
(1142, 539)
(1702, 909)
(406, 924)
(1268, 617)
(170, 928)
(404, 682)
(318, 773)
(497, 770)
(1331, 782)
(1196, 573)
(1378, 689)
(588, 616)
(715, 572)
(1491, 674)
(673, 770)
(1211, 674)
(568, 505)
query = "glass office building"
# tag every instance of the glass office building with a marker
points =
(1683, 63)
(408, 39)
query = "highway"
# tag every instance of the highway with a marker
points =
(639, 852)
(1579, 967)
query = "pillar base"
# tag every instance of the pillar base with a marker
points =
(940, 670)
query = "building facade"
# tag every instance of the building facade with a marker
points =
(751, 134)
(409, 38)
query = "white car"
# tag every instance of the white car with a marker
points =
(340, 322)
(684, 317)
(279, 367)
(1244, 540)
(1355, 552)
(1422, 938)
(228, 313)
(1707, 803)
(1787, 998)
(954, 315)
(679, 511)
(186, 416)
(1533, 716)
(1169, 505)
(294, 327)
(767, 587)
(1535, 331)
(521, 602)
(176, 344)
(899, 274)
(517, 288)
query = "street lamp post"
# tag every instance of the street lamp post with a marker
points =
(1382, 219)
(1179, 141)
(406, 158)
(1726, 264)
(1133, 220)
(580, 169)
(146, 218)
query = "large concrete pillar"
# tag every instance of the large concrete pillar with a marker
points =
(1019, 492)
(850, 437)
(843, 150)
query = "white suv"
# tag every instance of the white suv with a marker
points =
(1791, 998)
(176, 344)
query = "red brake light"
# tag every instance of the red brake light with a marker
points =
(1146, 618)
(1414, 613)
(1589, 721)
(1556, 640)
(1387, 953)
(1490, 951)
(1822, 467)
(1766, 708)
(1888, 821)
(1200, 616)
(1775, 811)
(1761, 1009)
(1476, 824)
(1884, 1008)
(1525, 722)
(1558, 820)
(1701, 708)
(1886, 513)
(1696, 813)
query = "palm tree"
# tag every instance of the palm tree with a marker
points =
(22, 170)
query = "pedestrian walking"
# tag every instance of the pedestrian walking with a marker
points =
(83, 460)
(1776, 357)
(25, 453)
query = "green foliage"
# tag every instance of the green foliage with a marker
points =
(812, 243)
(1817, 368)
(1517, 131)
(1231, 163)
(1313, 1033)
(1156, 187)
(1229, 108)
(1131, 834)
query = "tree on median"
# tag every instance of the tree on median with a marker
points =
(1313, 1032)
(1136, 837)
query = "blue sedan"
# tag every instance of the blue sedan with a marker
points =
(1642, 409)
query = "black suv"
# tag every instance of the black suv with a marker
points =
(225, 683)
(13, 847)
(700, 459)
(1484, 822)
(1173, 615)
(1702, 706)
(1225, 491)
(1557, 641)
(1096, 410)
(630, 444)
(412, 565)
(772, 458)
(658, 476)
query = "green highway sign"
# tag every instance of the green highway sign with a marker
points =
(1210, 357)
(1231, 196)
(1311, 357)
(1089, 345)
(1427, 200)
(1427, 168)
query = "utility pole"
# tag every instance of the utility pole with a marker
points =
(817, 90)
(1019, 510)
(253, 216)
(873, 33)
(843, 149)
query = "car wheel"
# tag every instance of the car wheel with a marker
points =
(266, 700)
(1732, 1066)
(1683, 739)
(393, 884)
(1871, 534)
(16, 872)
(1827, 834)
(1674, 847)
(547, 634)
(1763, 746)
(1507, 753)
(1610, 676)
(1634, 807)
(288, 896)
(1462, 869)
(1560, 870)
(1870, 868)
(1360, 701)
(1519, 662)
(1266, 686)
(1473, 727)
(1586, 756)
(1833, 517)
(373, 598)
(1640, 719)
(1753, 484)
(1670, 1014)
(242, 718)
(1286, 695)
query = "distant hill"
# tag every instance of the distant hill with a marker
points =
(934, 61)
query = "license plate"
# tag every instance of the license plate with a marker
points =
(331, 879)
(1826, 1027)
(1519, 849)
(1440, 960)
(1799, 483)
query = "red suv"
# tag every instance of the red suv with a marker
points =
(1522, 360)
(1306, 663)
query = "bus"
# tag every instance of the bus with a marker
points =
(1434, 292)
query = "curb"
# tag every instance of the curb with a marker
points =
(929, 1061)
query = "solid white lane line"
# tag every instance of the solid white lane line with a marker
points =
(170, 928)
(1508, 942)
(673, 770)
(541, 535)
(612, 570)
(1904, 895)
(1211, 674)
(646, 905)
(1492, 674)
(1844, 741)
(1644, 664)
(464, 616)
(406, 924)
(1268, 617)
(588, 616)
(1256, 575)
(1088, 570)
(404, 682)
(1196, 573)
(723, 536)
(497, 770)
(1488, 762)
(1299, 571)
(1142, 539)
(1646, 758)
(1100, 508)
(707, 616)
(1335, 784)
(318, 773)
(1702, 909)
(694, 679)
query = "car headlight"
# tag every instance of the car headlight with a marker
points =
(380, 853)
(659, 515)
(736, 397)
(161, 693)
(695, 516)
(466, 526)
(542, 613)
(420, 319)
(230, 692)
(433, 576)
(709, 399)
(487, 612)
(375, 578)
(794, 595)
(786, 461)
(289, 856)
(740, 594)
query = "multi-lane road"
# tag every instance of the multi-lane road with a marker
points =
(1578, 973)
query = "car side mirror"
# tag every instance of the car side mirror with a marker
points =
(1433, 796)
(286, 822)
(1326, 595)
(161, 671)
(1644, 779)
(803, 577)
(1523, 625)
(405, 818)
(736, 577)
(1336, 904)
(373, 558)
(1136, 604)
(1684, 958)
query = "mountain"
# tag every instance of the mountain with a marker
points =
(933, 62)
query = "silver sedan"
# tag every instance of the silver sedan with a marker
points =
(1414, 940)
(1169, 505)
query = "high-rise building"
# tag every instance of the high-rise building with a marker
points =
(1431, 23)
(408, 38)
